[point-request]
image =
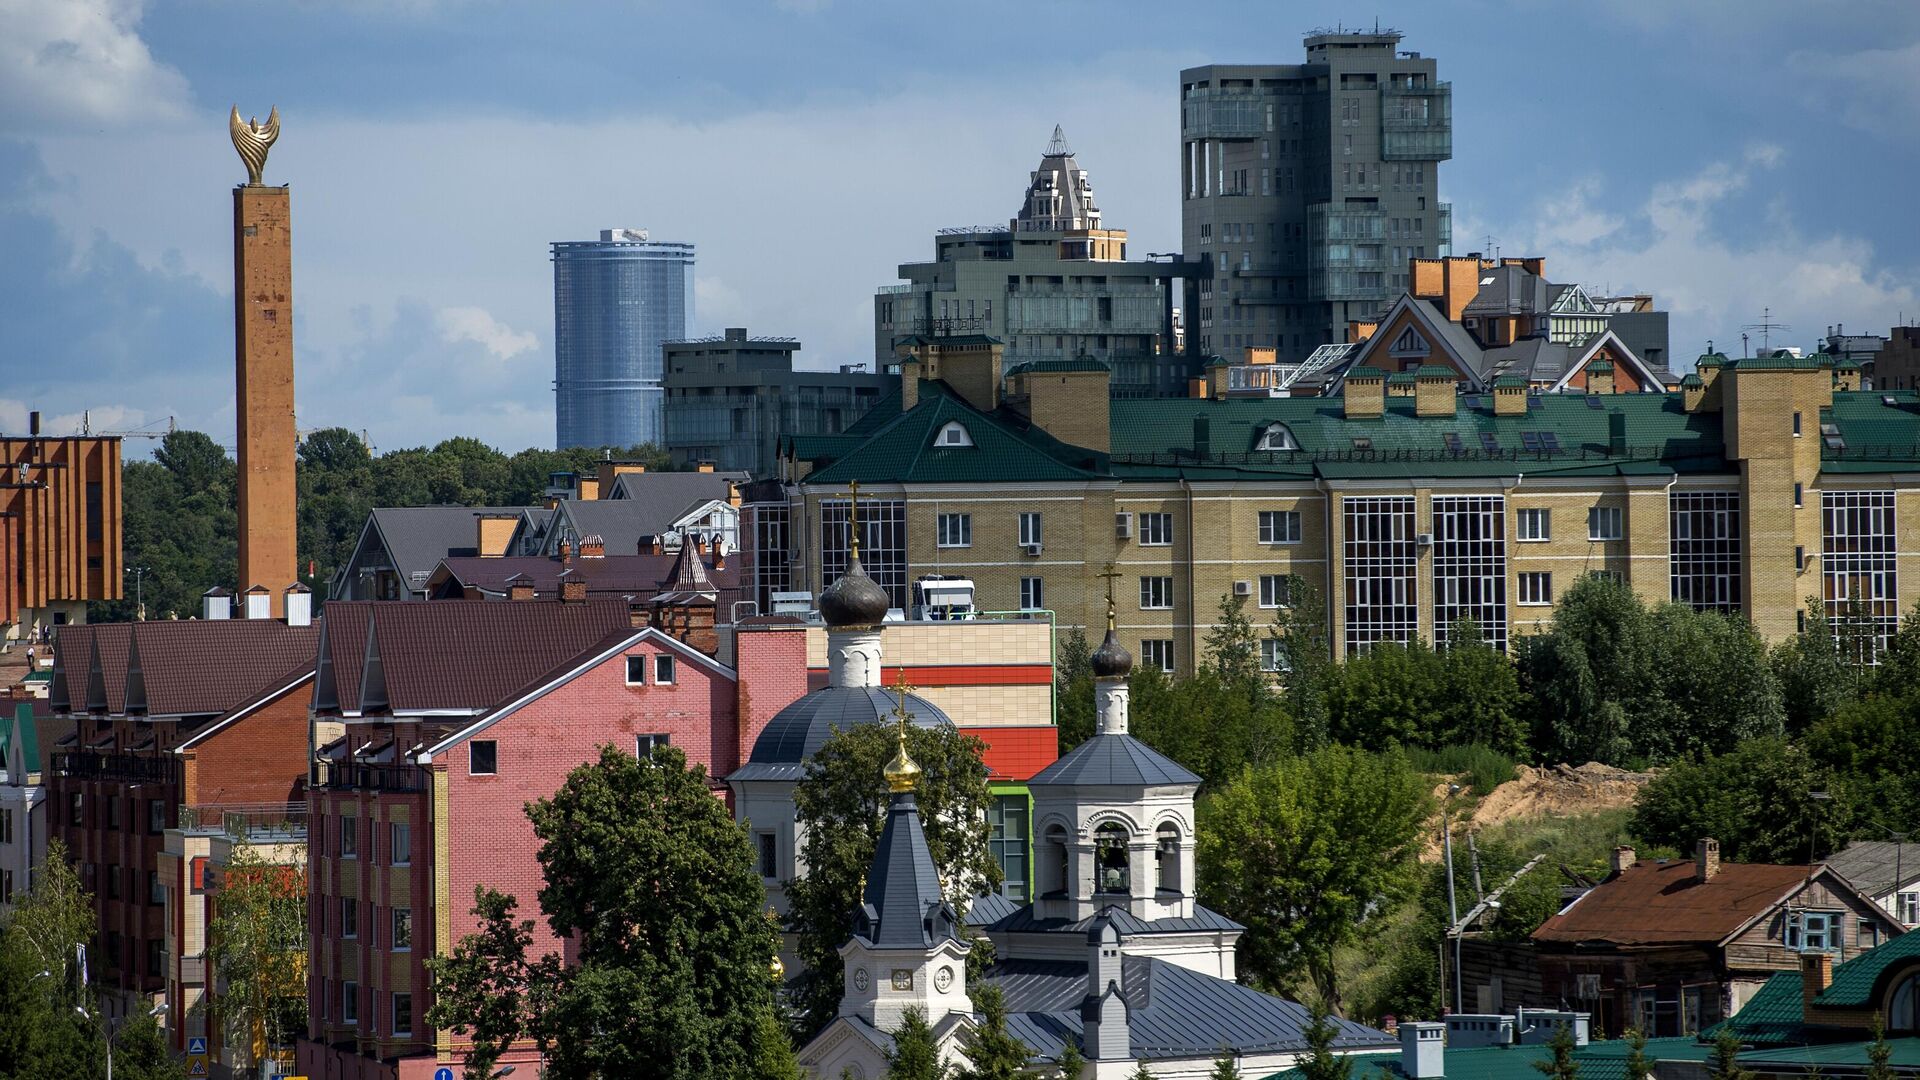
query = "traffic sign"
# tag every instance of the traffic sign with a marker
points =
(197, 1045)
(197, 1065)
(443, 1073)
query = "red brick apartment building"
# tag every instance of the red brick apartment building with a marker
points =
(174, 723)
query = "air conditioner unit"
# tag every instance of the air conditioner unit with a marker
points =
(1423, 539)
(1030, 549)
(1243, 588)
(1122, 525)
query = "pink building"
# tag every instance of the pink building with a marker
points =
(435, 725)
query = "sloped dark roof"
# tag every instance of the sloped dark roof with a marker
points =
(681, 488)
(418, 537)
(1172, 1011)
(613, 575)
(1854, 981)
(1601, 1059)
(622, 523)
(1115, 759)
(186, 667)
(1876, 867)
(902, 901)
(690, 582)
(500, 647)
(1022, 920)
(983, 911)
(1771, 1017)
(902, 451)
(1661, 903)
(295, 680)
(800, 729)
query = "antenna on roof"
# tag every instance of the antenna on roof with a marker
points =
(1766, 326)
(1057, 146)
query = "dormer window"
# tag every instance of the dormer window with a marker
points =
(952, 434)
(1411, 341)
(1277, 437)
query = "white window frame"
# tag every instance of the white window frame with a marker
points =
(666, 669)
(393, 1014)
(1276, 591)
(1157, 652)
(1907, 906)
(1156, 529)
(953, 530)
(1535, 588)
(643, 745)
(953, 434)
(1156, 592)
(1033, 594)
(1533, 525)
(637, 661)
(1273, 655)
(1031, 528)
(1279, 526)
(400, 843)
(1599, 518)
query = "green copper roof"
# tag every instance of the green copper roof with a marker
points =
(1713, 360)
(1830, 1058)
(1600, 365)
(902, 451)
(1853, 981)
(28, 734)
(1507, 381)
(1437, 371)
(1402, 377)
(1078, 363)
(1693, 380)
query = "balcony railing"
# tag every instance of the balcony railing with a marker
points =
(258, 822)
(1225, 114)
(345, 776)
(89, 765)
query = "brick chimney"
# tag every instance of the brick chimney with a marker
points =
(1623, 857)
(1816, 974)
(519, 587)
(566, 551)
(1363, 394)
(719, 554)
(592, 546)
(1706, 859)
(573, 588)
(705, 466)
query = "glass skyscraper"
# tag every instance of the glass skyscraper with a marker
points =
(615, 300)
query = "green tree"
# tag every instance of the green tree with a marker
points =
(257, 943)
(1388, 695)
(1233, 646)
(841, 806)
(1305, 660)
(1724, 1064)
(1073, 689)
(1141, 1072)
(915, 1055)
(1072, 1062)
(1592, 670)
(1638, 1066)
(1479, 699)
(1899, 670)
(1215, 728)
(773, 1054)
(1757, 800)
(1879, 1053)
(654, 884)
(1321, 1063)
(1560, 1066)
(993, 1052)
(1722, 691)
(489, 989)
(1304, 851)
(41, 1035)
(1224, 1068)
(140, 1051)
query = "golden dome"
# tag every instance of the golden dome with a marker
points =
(902, 774)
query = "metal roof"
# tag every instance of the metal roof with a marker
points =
(1115, 759)
(1876, 867)
(798, 731)
(902, 900)
(1663, 903)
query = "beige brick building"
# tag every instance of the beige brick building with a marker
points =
(1404, 500)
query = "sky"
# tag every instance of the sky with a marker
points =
(1732, 157)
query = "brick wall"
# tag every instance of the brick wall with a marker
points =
(773, 664)
(260, 758)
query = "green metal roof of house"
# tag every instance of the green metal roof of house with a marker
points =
(1827, 1056)
(1506, 381)
(1078, 363)
(1853, 981)
(1771, 1017)
(1782, 361)
(1600, 365)
(902, 451)
(29, 736)
(1402, 377)
(1693, 379)
(1604, 1059)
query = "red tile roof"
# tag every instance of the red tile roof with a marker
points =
(460, 656)
(637, 575)
(1662, 903)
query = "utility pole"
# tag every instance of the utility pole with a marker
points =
(1453, 904)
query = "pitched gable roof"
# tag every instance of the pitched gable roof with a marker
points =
(1450, 340)
(1660, 903)
(187, 667)
(416, 538)
(903, 451)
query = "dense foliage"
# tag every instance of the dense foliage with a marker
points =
(257, 943)
(654, 884)
(181, 518)
(841, 807)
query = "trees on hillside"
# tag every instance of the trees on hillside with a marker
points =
(654, 884)
(1304, 851)
(841, 805)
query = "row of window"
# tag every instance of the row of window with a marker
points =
(666, 670)
(483, 755)
(399, 925)
(955, 530)
(399, 841)
(114, 948)
(77, 815)
(346, 1007)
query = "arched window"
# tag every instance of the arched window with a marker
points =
(952, 433)
(1112, 873)
(1903, 1012)
(1056, 856)
(1166, 856)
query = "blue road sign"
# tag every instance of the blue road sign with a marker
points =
(443, 1073)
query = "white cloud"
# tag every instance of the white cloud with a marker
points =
(64, 62)
(1714, 279)
(458, 324)
(1871, 89)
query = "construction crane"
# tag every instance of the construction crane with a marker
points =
(86, 428)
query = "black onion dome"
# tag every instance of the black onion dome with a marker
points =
(1111, 660)
(854, 599)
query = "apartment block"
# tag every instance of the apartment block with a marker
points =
(60, 531)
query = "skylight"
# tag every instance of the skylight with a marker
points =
(1593, 401)
(1451, 441)
(1489, 442)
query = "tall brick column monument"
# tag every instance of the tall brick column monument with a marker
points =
(263, 353)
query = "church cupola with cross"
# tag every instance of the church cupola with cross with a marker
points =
(1113, 818)
(906, 950)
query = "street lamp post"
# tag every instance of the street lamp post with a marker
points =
(139, 591)
(106, 1030)
(1453, 905)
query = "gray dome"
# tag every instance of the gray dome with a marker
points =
(854, 599)
(800, 729)
(1111, 660)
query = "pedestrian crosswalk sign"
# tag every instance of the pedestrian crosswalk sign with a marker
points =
(197, 1045)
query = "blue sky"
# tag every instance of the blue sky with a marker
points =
(1725, 155)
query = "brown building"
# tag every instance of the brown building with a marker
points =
(263, 347)
(59, 530)
(176, 724)
(1672, 947)
(1897, 365)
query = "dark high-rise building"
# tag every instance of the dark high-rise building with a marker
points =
(615, 300)
(1307, 187)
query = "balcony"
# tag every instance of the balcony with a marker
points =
(139, 768)
(263, 823)
(1224, 114)
(346, 776)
